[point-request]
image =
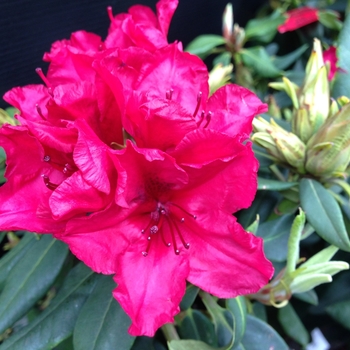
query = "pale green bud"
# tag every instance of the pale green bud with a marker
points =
(219, 76)
(5, 118)
(314, 97)
(284, 146)
(328, 151)
(227, 22)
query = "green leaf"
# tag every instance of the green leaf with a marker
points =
(294, 241)
(276, 234)
(189, 297)
(259, 311)
(341, 85)
(192, 345)
(10, 259)
(330, 19)
(308, 297)
(203, 44)
(274, 185)
(102, 323)
(197, 326)
(283, 62)
(323, 213)
(30, 278)
(340, 312)
(56, 323)
(292, 325)
(258, 59)
(238, 308)
(260, 336)
(143, 343)
(222, 319)
(264, 29)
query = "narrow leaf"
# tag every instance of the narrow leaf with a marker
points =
(274, 185)
(10, 259)
(102, 323)
(259, 335)
(340, 312)
(323, 213)
(283, 62)
(56, 323)
(189, 297)
(30, 279)
(292, 325)
(203, 44)
(238, 308)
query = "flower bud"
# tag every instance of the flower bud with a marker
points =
(219, 76)
(5, 118)
(314, 97)
(284, 146)
(227, 22)
(328, 151)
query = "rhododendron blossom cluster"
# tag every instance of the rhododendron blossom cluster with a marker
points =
(122, 154)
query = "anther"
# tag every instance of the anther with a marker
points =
(153, 230)
(185, 211)
(169, 94)
(208, 117)
(199, 99)
(47, 158)
(145, 253)
(110, 13)
(48, 184)
(201, 120)
(39, 111)
(68, 169)
(42, 76)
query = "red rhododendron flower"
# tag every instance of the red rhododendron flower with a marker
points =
(141, 27)
(298, 18)
(330, 57)
(175, 225)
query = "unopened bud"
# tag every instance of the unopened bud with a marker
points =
(284, 146)
(5, 118)
(219, 76)
(227, 22)
(314, 97)
(328, 151)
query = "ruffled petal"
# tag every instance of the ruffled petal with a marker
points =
(165, 12)
(151, 296)
(234, 108)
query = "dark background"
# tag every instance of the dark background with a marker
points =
(28, 28)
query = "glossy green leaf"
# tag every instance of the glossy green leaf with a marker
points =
(30, 278)
(143, 343)
(294, 242)
(340, 312)
(197, 326)
(341, 85)
(292, 325)
(274, 185)
(276, 234)
(264, 29)
(261, 336)
(222, 319)
(309, 297)
(102, 323)
(323, 213)
(330, 19)
(56, 323)
(259, 311)
(10, 259)
(192, 345)
(189, 297)
(258, 59)
(283, 62)
(203, 44)
(238, 308)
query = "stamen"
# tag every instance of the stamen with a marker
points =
(185, 211)
(169, 94)
(110, 13)
(176, 251)
(67, 169)
(184, 243)
(201, 120)
(209, 114)
(145, 253)
(39, 111)
(199, 99)
(48, 184)
(42, 76)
